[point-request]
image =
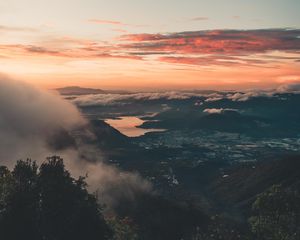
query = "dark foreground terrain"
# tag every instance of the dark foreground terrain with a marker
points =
(224, 168)
(45, 202)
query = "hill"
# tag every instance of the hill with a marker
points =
(243, 183)
(75, 90)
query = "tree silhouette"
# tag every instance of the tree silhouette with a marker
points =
(47, 203)
(19, 205)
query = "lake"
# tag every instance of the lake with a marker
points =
(128, 125)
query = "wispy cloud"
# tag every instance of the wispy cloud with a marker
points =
(83, 51)
(236, 17)
(120, 30)
(199, 19)
(101, 21)
(213, 60)
(4, 28)
(112, 22)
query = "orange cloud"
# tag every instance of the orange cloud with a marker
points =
(210, 59)
(213, 61)
(218, 47)
(81, 51)
(230, 42)
(203, 48)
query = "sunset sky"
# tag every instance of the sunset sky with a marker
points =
(142, 44)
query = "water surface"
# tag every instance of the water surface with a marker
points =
(128, 125)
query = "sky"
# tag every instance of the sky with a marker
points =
(142, 44)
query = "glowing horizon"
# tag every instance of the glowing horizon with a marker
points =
(142, 45)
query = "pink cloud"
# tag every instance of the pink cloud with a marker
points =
(227, 42)
(100, 21)
(203, 48)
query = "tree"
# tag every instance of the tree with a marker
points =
(124, 229)
(218, 228)
(276, 214)
(19, 208)
(47, 203)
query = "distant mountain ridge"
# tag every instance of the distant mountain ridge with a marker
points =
(76, 90)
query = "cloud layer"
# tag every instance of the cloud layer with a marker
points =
(216, 47)
(201, 48)
(117, 99)
(220, 41)
(120, 99)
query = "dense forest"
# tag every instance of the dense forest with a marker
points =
(46, 203)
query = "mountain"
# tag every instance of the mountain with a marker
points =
(163, 219)
(227, 121)
(244, 182)
(75, 90)
(107, 136)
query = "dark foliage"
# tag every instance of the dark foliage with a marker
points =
(47, 203)
(159, 218)
(245, 182)
(276, 214)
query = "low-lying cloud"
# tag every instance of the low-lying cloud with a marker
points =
(121, 99)
(242, 97)
(28, 117)
(219, 110)
(31, 123)
(289, 88)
